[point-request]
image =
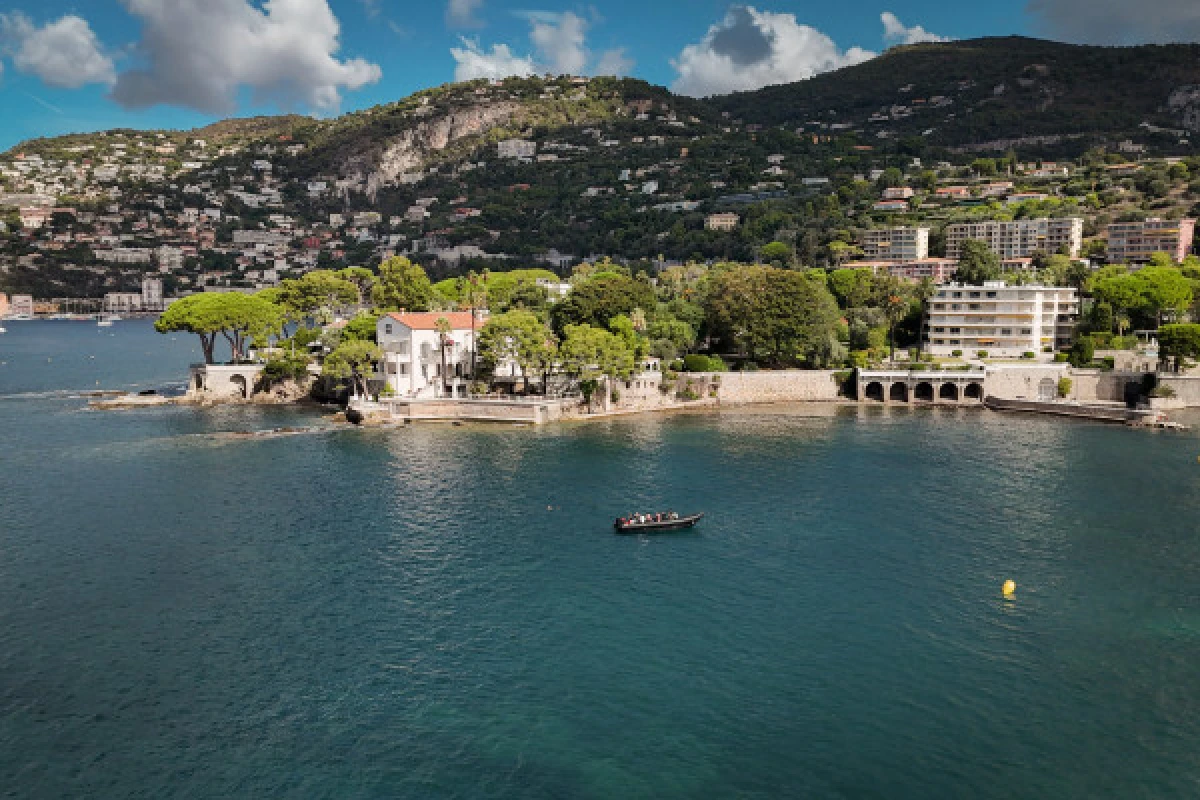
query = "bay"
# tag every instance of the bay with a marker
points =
(445, 612)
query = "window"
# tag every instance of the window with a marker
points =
(387, 328)
(1026, 331)
(973, 306)
(955, 306)
(974, 295)
(958, 294)
(955, 330)
(939, 330)
(1006, 331)
(991, 295)
(939, 306)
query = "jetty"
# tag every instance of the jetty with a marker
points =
(1098, 413)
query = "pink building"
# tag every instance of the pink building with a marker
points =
(1135, 242)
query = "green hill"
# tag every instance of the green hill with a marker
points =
(979, 90)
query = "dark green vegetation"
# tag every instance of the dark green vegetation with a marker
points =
(1049, 89)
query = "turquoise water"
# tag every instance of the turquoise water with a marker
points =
(444, 612)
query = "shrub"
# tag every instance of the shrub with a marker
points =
(699, 363)
(1064, 387)
(688, 393)
(981, 353)
(1082, 352)
(1110, 363)
(277, 370)
(1029, 355)
(956, 353)
(1060, 358)
(616, 395)
(1162, 391)
(1047, 349)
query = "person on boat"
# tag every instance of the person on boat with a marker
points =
(672, 515)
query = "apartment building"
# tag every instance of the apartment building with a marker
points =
(938, 270)
(1005, 321)
(725, 221)
(1018, 239)
(516, 148)
(1135, 242)
(895, 244)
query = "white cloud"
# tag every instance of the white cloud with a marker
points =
(750, 49)
(64, 53)
(614, 62)
(472, 61)
(201, 54)
(560, 40)
(895, 32)
(462, 13)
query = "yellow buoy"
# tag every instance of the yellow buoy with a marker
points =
(1009, 588)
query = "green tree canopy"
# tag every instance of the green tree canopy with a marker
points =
(402, 286)
(777, 315)
(588, 352)
(1164, 290)
(355, 360)
(1176, 343)
(519, 336)
(977, 263)
(598, 299)
(852, 287)
(235, 316)
(316, 294)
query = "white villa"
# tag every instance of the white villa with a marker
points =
(412, 352)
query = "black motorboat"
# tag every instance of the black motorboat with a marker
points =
(657, 523)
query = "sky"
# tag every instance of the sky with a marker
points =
(85, 65)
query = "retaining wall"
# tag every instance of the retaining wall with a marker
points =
(779, 386)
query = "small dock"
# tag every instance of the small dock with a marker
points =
(1097, 413)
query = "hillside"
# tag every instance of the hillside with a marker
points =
(608, 167)
(981, 90)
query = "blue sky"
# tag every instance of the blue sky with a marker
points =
(82, 65)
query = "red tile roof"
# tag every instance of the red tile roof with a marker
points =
(427, 320)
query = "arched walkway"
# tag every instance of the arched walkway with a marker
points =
(949, 391)
(239, 384)
(973, 392)
(898, 393)
(874, 391)
(923, 392)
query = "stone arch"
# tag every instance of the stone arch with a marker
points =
(239, 385)
(974, 391)
(898, 392)
(874, 391)
(199, 381)
(949, 391)
(923, 392)
(1047, 390)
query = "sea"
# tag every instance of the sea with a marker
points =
(445, 611)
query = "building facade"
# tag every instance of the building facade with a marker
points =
(20, 305)
(1004, 321)
(152, 294)
(1019, 239)
(1135, 242)
(895, 244)
(516, 148)
(413, 353)
(725, 221)
(122, 302)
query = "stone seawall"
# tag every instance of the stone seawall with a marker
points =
(781, 386)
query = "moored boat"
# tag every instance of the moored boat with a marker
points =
(657, 523)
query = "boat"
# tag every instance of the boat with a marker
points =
(107, 322)
(623, 525)
(3, 329)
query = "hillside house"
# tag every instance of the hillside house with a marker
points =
(414, 352)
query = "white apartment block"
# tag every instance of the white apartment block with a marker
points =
(516, 148)
(895, 244)
(1005, 321)
(152, 294)
(1018, 239)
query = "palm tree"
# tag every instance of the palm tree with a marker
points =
(474, 293)
(442, 328)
